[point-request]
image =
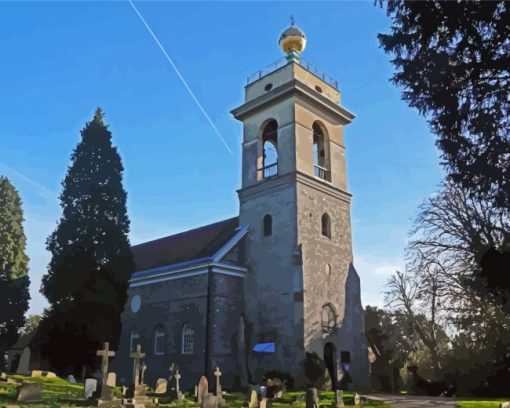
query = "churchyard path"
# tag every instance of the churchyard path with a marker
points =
(414, 401)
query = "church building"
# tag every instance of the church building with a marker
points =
(255, 292)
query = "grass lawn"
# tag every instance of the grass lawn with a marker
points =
(479, 402)
(55, 388)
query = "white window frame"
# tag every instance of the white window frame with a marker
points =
(134, 336)
(159, 332)
(187, 338)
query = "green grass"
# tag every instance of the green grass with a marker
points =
(479, 402)
(55, 388)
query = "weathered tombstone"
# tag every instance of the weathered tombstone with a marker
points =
(49, 374)
(161, 386)
(263, 392)
(177, 376)
(105, 354)
(265, 403)
(142, 373)
(504, 405)
(90, 388)
(312, 399)
(135, 395)
(37, 373)
(3, 376)
(357, 400)
(111, 380)
(29, 392)
(137, 357)
(11, 381)
(213, 401)
(254, 400)
(203, 389)
(124, 390)
(217, 374)
(279, 394)
(339, 398)
(71, 379)
(196, 392)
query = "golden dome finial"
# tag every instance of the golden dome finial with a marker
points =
(293, 39)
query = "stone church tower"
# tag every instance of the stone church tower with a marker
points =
(301, 291)
(256, 292)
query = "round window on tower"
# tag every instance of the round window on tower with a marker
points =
(136, 303)
(268, 87)
(318, 88)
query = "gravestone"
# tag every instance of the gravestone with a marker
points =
(217, 374)
(263, 392)
(357, 400)
(177, 376)
(265, 403)
(203, 389)
(339, 398)
(29, 392)
(105, 390)
(124, 390)
(135, 395)
(254, 400)
(279, 394)
(71, 379)
(37, 373)
(312, 399)
(161, 386)
(142, 373)
(3, 377)
(111, 380)
(90, 388)
(49, 374)
(213, 401)
(504, 405)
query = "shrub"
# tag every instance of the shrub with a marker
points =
(287, 380)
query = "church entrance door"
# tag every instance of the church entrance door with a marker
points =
(330, 362)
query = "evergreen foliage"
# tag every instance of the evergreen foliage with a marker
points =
(14, 281)
(91, 260)
(452, 59)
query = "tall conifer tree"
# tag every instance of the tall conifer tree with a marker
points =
(91, 259)
(14, 279)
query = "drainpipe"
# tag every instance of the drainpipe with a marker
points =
(207, 323)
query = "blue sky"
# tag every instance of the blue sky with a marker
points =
(59, 60)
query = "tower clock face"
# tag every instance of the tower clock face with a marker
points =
(136, 303)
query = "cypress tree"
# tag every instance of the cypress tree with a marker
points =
(14, 279)
(91, 260)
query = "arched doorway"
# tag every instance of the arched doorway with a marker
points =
(15, 363)
(330, 362)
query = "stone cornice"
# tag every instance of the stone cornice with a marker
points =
(294, 88)
(286, 180)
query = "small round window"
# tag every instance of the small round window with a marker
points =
(136, 303)
(268, 87)
(318, 88)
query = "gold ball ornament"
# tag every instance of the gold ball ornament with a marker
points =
(292, 39)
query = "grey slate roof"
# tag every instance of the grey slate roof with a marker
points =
(186, 246)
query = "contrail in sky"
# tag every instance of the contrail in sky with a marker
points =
(42, 190)
(180, 76)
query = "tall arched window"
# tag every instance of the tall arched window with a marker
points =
(134, 339)
(159, 340)
(269, 150)
(268, 225)
(320, 162)
(187, 339)
(328, 319)
(326, 225)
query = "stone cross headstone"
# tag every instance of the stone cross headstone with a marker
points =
(161, 386)
(105, 354)
(203, 389)
(142, 373)
(90, 388)
(29, 392)
(339, 398)
(177, 377)
(217, 374)
(111, 380)
(254, 400)
(137, 357)
(312, 399)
